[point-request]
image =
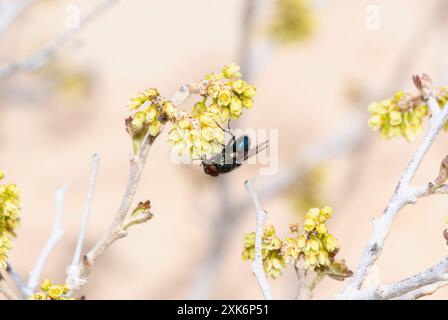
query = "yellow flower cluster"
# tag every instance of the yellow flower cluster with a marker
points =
(51, 291)
(271, 252)
(315, 245)
(400, 116)
(403, 115)
(197, 133)
(225, 96)
(307, 191)
(151, 112)
(294, 20)
(9, 217)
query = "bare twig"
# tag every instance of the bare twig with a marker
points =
(412, 286)
(404, 194)
(423, 291)
(119, 225)
(6, 290)
(47, 53)
(10, 10)
(56, 235)
(257, 264)
(18, 281)
(303, 293)
(72, 276)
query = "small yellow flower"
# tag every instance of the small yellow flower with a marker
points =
(323, 258)
(151, 114)
(313, 213)
(326, 212)
(154, 128)
(395, 118)
(309, 225)
(225, 97)
(138, 120)
(330, 242)
(249, 91)
(46, 284)
(322, 228)
(236, 107)
(239, 86)
(199, 108)
(231, 71)
(248, 103)
(55, 291)
(39, 296)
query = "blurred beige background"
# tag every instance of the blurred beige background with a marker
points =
(53, 120)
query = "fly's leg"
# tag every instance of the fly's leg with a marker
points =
(229, 131)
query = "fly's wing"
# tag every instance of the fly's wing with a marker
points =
(240, 157)
(215, 159)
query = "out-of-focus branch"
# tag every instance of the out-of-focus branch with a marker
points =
(10, 10)
(51, 50)
(18, 281)
(56, 235)
(257, 264)
(6, 290)
(120, 224)
(73, 271)
(404, 194)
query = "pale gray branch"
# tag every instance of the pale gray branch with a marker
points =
(118, 227)
(10, 10)
(424, 291)
(73, 271)
(55, 237)
(257, 264)
(18, 281)
(416, 285)
(51, 50)
(6, 290)
(404, 194)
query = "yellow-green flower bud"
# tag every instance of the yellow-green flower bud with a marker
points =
(55, 291)
(138, 120)
(236, 107)
(395, 118)
(154, 128)
(45, 285)
(239, 86)
(231, 71)
(322, 228)
(248, 103)
(39, 296)
(309, 225)
(249, 91)
(199, 108)
(225, 97)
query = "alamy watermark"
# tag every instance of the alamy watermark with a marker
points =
(242, 147)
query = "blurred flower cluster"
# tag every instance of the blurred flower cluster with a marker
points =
(315, 245)
(51, 291)
(403, 115)
(200, 132)
(294, 20)
(9, 217)
(307, 191)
